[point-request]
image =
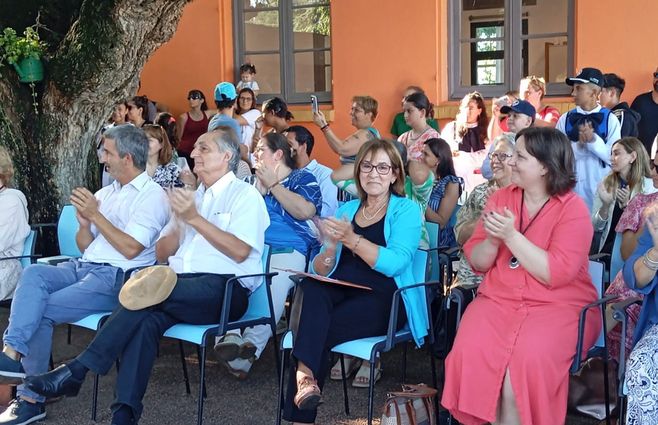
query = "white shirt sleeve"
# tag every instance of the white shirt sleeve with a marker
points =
(148, 218)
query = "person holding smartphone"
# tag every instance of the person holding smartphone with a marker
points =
(362, 114)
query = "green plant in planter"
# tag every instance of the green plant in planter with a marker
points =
(24, 53)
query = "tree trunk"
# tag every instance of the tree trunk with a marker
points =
(90, 66)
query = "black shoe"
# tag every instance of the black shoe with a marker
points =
(55, 383)
(21, 412)
(11, 371)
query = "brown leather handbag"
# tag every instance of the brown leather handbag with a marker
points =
(414, 405)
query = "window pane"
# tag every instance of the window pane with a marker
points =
(313, 72)
(481, 67)
(547, 57)
(261, 30)
(546, 16)
(308, 2)
(253, 4)
(471, 20)
(311, 27)
(489, 31)
(268, 69)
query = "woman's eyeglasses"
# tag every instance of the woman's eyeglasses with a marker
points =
(500, 156)
(381, 168)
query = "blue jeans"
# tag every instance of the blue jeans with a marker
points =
(133, 336)
(50, 295)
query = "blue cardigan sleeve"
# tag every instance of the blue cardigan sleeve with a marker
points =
(644, 243)
(403, 240)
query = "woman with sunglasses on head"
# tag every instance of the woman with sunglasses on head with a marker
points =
(511, 357)
(371, 241)
(471, 212)
(158, 163)
(192, 124)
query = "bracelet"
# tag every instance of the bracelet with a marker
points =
(324, 127)
(356, 244)
(649, 259)
(647, 264)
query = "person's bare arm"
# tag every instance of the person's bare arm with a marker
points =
(180, 126)
(446, 207)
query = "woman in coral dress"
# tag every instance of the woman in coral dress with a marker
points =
(511, 357)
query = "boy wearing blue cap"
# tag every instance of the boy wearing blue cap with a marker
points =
(592, 130)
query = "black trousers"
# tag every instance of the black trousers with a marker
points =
(325, 315)
(133, 336)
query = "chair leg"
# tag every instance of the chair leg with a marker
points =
(435, 381)
(68, 336)
(346, 400)
(51, 362)
(202, 383)
(201, 354)
(404, 363)
(186, 377)
(371, 391)
(94, 398)
(606, 389)
(282, 374)
(276, 344)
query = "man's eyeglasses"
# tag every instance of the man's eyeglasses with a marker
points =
(194, 97)
(381, 168)
(500, 156)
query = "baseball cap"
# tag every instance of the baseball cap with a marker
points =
(587, 75)
(225, 91)
(520, 107)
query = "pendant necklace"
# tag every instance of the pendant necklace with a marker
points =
(513, 262)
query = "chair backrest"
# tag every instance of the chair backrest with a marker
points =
(67, 227)
(420, 266)
(28, 248)
(616, 262)
(433, 233)
(258, 302)
(596, 270)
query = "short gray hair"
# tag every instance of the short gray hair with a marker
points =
(227, 141)
(508, 138)
(130, 140)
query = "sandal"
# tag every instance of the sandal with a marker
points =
(352, 364)
(362, 378)
(308, 395)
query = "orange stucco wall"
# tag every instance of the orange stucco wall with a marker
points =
(380, 50)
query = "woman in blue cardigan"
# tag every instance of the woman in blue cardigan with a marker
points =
(371, 241)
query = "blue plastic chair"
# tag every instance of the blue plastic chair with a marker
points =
(259, 312)
(436, 259)
(67, 228)
(26, 258)
(369, 349)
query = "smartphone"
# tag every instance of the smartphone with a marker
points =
(314, 104)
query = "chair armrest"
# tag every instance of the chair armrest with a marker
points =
(395, 305)
(620, 308)
(575, 365)
(599, 257)
(228, 292)
(18, 257)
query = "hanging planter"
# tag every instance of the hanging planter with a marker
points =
(24, 54)
(30, 70)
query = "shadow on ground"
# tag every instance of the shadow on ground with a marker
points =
(229, 401)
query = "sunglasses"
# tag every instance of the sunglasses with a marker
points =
(194, 97)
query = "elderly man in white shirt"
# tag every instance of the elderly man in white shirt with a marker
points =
(218, 232)
(119, 226)
(301, 141)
